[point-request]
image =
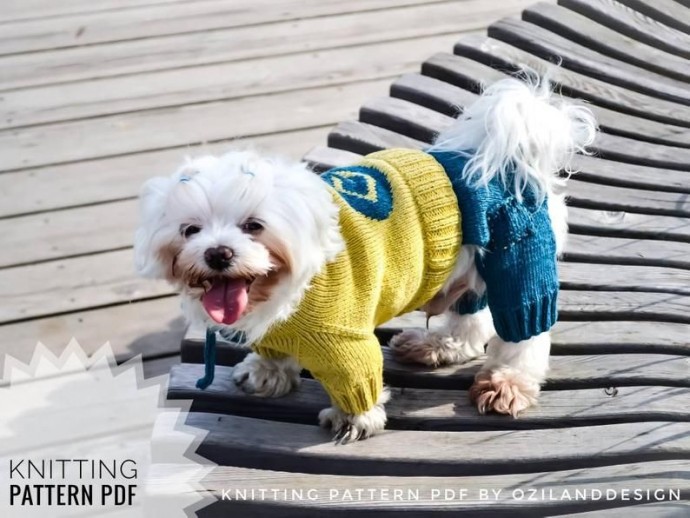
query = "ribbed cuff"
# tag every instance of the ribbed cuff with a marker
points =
(528, 320)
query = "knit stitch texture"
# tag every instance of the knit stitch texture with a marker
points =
(518, 264)
(401, 226)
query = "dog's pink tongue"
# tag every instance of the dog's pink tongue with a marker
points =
(226, 300)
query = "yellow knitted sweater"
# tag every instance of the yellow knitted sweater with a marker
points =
(400, 222)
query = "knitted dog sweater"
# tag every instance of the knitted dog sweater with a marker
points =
(400, 218)
(518, 262)
(401, 227)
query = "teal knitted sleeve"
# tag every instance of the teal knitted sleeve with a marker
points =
(520, 272)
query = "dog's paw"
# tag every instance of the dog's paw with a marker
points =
(349, 428)
(264, 377)
(505, 391)
(432, 348)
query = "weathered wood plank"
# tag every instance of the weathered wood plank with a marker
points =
(627, 21)
(363, 139)
(598, 249)
(248, 42)
(415, 494)
(580, 194)
(671, 509)
(600, 38)
(427, 409)
(89, 28)
(621, 305)
(181, 126)
(494, 53)
(628, 224)
(552, 47)
(468, 74)
(593, 195)
(73, 284)
(615, 277)
(55, 187)
(167, 88)
(307, 449)
(27, 9)
(568, 337)
(667, 12)
(151, 328)
(567, 372)
(65, 233)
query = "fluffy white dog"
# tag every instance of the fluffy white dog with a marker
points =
(307, 266)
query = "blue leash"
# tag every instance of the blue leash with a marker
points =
(209, 360)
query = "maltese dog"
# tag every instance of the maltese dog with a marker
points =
(304, 267)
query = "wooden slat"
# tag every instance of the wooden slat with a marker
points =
(615, 99)
(426, 409)
(23, 9)
(307, 449)
(668, 12)
(54, 187)
(600, 38)
(553, 47)
(566, 372)
(568, 337)
(187, 125)
(628, 224)
(61, 234)
(598, 249)
(152, 328)
(248, 42)
(167, 19)
(423, 124)
(73, 284)
(627, 21)
(616, 277)
(659, 509)
(467, 74)
(224, 81)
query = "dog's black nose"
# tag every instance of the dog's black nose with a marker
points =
(218, 258)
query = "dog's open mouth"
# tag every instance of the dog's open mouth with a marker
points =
(226, 299)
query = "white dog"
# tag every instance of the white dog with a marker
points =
(307, 266)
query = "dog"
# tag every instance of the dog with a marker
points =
(306, 266)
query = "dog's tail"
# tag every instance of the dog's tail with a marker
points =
(522, 132)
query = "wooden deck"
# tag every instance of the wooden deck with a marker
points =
(96, 96)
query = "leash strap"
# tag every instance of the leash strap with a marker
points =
(209, 360)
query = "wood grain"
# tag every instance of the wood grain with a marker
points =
(600, 38)
(634, 24)
(247, 42)
(553, 47)
(428, 409)
(307, 449)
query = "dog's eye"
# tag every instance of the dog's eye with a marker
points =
(189, 230)
(252, 226)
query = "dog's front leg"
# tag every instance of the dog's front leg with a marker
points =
(267, 377)
(354, 427)
(510, 379)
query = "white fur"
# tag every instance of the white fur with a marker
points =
(522, 127)
(264, 377)
(354, 427)
(220, 194)
(525, 128)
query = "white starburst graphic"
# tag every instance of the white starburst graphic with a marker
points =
(82, 436)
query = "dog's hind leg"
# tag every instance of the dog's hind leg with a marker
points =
(460, 339)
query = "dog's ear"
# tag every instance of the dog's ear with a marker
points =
(152, 202)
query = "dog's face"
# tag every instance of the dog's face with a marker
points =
(232, 233)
